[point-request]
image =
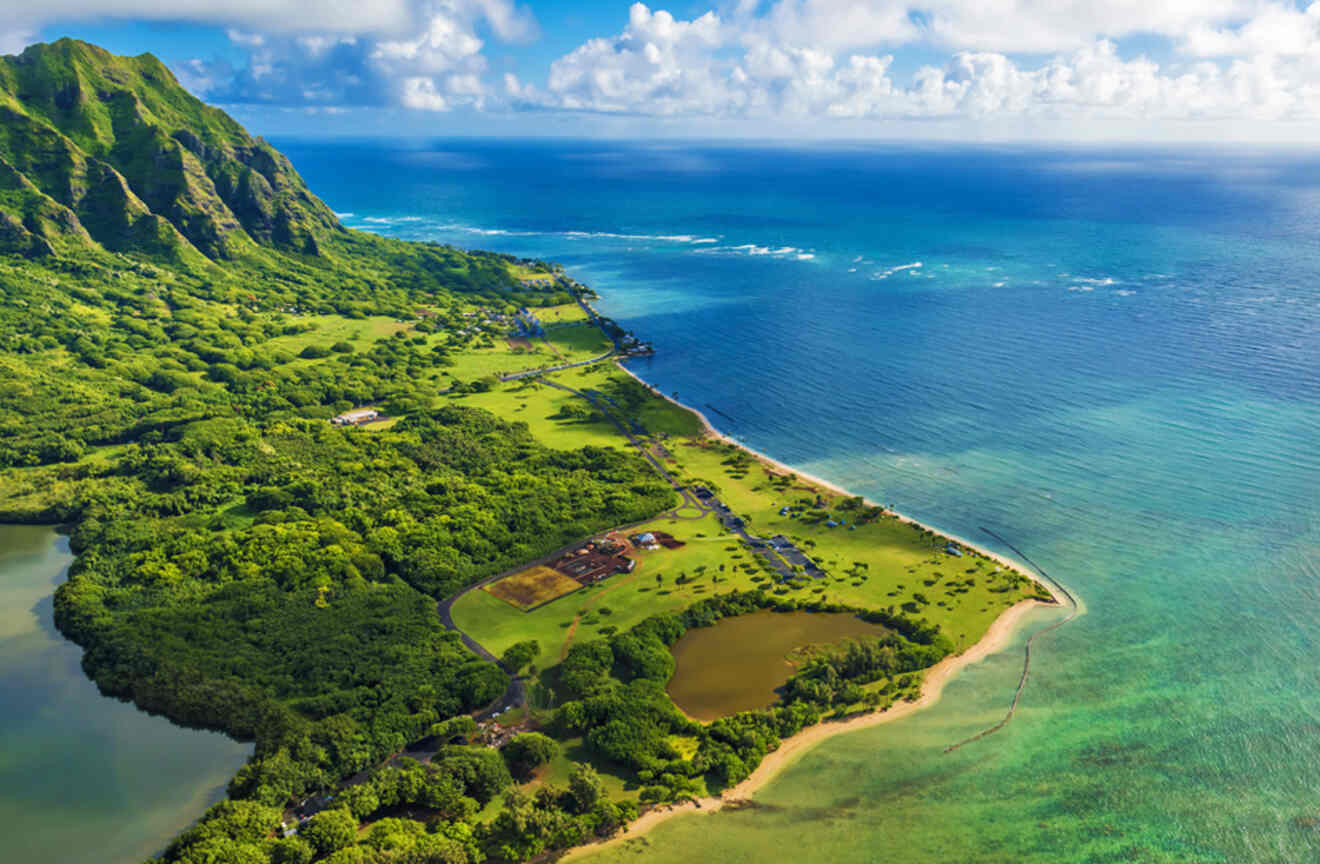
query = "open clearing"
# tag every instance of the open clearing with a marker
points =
(562, 314)
(531, 588)
(879, 564)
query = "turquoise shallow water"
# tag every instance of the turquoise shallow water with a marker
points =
(1110, 358)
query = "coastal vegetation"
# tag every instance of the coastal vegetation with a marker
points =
(181, 320)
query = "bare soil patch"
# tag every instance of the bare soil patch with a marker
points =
(532, 587)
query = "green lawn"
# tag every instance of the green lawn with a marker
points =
(883, 564)
(556, 774)
(326, 330)
(901, 560)
(658, 416)
(578, 341)
(522, 271)
(473, 363)
(562, 314)
(620, 601)
(570, 343)
(534, 403)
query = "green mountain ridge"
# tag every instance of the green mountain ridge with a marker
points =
(181, 321)
(112, 151)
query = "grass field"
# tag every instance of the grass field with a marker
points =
(522, 271)
(532, 587)
(885, 563)
(563, 314)
(326, 330)
(619, 602)
(659, 417)
(880, 564)
(556, 773)
(579, 341)
(535, 404)
(570, 343)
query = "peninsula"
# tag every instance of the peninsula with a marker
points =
(396, 513)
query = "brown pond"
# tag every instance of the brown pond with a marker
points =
(737, 664)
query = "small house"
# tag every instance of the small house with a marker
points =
(354, 418)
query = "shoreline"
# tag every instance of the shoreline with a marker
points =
(771, 462)
(790, 750)
(994, 640)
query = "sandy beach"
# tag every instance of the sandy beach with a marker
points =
(775, 464)
(995, 639)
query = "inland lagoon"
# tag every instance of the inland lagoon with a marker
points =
(84, 778)
(1109, 357)
(739, 663)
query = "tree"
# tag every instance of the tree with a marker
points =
(519, 655)
(361, 800)
(330, 830)
(291, 850)
(584, 787)
(528, 751)
(481, 771)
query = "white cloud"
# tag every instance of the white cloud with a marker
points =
(783, 68)
(657, 61)
(335, 16)
(422, 54)
(1043, 64)
(1045, 26)
(422, 93)
(1278, 29)
(1036, 26)
(434, 64)
(15, 37)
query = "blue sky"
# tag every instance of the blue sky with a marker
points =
(1083, 70)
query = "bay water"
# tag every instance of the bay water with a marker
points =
(84, 779)
(1111, 358)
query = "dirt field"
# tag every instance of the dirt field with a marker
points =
(532, 587)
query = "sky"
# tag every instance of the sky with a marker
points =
(967, 70)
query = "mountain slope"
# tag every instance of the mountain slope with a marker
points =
(180, 320)
(113, 150)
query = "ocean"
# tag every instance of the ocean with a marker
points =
(1109, 357)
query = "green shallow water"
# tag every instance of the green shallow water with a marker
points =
(1178, 720)
(1109, 356)
(84, 778)
(737, 664)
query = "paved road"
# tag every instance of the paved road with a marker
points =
(532, 373)
(688, 498)
(712, 505)
(516, 693)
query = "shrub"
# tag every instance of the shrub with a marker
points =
(527, 752)
(330, 830)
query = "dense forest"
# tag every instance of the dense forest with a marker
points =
(180, 318)
(242, 563)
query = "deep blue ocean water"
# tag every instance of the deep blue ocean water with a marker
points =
(1112, 358)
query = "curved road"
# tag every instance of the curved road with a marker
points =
(516, 693)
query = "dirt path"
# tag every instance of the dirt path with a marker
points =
(572, 628)
(553, 349)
